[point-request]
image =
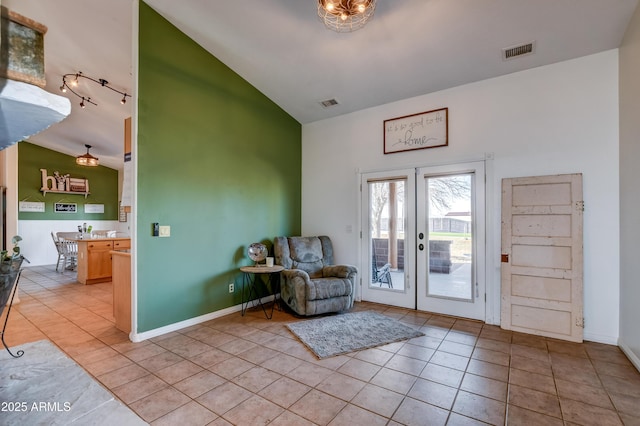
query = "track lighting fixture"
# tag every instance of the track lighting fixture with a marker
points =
(71, 80)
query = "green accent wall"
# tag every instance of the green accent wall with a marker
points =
(218, 162)
(103, 184)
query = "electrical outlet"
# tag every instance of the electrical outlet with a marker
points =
(232, 287)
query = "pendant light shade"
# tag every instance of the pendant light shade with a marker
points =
(87, 159)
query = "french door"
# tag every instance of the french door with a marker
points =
(423, 239)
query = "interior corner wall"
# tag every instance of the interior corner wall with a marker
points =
(556, 119)
(629, 190)
(218, 162)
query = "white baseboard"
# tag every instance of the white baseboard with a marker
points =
(139, 337)
(635, 360)
(601, 338)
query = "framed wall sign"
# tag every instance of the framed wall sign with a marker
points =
(428, 129)
(94, 208)
(31, 206)
(65, 207)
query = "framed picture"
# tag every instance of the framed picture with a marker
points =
(65, 207)
(428, 129)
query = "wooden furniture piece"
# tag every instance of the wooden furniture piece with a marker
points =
(121, 278)
(94, 258)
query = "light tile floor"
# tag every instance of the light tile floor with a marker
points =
(249, 370)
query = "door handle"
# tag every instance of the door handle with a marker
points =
(421, 247)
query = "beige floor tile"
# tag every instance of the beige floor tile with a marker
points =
(487, 369)
(309, 374)
(534, 400)
(588, 394)
(352, 415)
(494, 357)
(290, 419)
(379, 400)
(190, 414)
(480, 408)
(341, 386)
(210, 357)
(160, 361)
(484, 386)
(456, 419)
(139, 388)
(123, 375)
(396, 381)
(256, 379)
(626, 404)
(224, 397)
(418, 352)
(446, 359)
(531, 365)
(586, 414)
(535, 381)
(178, 371)
(444, 375)
(413, 412)
(406, 365)
(522, 417)
(318, 407)
(284, 392)
(433, 393)
(231, 367)
(158, 404)
(98, 368)
(253, 411)
(358, 369)
(374, 356)
(199, 383)
(143, 352)
(621, 385)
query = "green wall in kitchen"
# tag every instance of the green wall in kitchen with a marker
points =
(103, 185)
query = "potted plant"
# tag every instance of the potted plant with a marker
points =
(9, 272)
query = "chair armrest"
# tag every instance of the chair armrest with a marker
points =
(291, 274)
(339, 271)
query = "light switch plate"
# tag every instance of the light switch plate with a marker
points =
(165, 231)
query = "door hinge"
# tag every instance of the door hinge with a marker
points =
(580, 206)
(580, 322)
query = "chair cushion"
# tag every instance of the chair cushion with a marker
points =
(325, 288)
(306, 254)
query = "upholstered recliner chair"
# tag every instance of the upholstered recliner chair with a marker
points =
(311, 284)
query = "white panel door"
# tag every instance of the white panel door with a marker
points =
(542, 256)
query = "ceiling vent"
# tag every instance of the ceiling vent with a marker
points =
(518, 51)
(329, 103)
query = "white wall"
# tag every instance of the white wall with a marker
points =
(561, 118)
(630, 195)
(37, 244)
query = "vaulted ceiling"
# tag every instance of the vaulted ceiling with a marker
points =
(410, 48)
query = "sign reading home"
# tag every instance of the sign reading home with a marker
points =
(417, 131)
(65, 207)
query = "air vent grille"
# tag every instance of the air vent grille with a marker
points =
(518, 51)
(329, 103)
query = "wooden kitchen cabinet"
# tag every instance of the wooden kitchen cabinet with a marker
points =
(94, 258)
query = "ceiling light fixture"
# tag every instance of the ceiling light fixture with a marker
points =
(344, 16)
(87, 159)
(71, 80)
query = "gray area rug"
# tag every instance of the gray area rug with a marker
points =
(45, 387)
(343, 333)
